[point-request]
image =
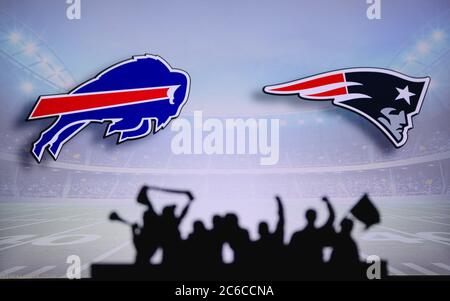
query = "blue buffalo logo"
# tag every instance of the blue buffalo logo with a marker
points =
(136, 97)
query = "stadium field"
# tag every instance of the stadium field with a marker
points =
(37, 237)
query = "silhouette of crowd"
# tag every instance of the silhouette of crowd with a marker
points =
(199, 256)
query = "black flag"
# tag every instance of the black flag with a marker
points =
(143, 199)
(366, 212)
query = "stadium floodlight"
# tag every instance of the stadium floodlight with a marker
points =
(14, 37)
(46, 60)
(30, 48)
(56, 73)
(434, 84)
(27, 87)
(437, 35)
(31, 53)
(410, 58)
(423, 47)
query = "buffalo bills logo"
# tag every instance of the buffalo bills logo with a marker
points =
(386, 98)
(136, 97)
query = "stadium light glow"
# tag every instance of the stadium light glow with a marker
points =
(423, 47)
(409, 58)
(437, 35)
(14, 37)
(67, 85)
(56, 73)
(30, 48)
(27, 87)
(433, 84)
(46, 60)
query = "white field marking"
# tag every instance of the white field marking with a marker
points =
(417, 210)
(414, 235)
(424, 204)
(420, 210)
(420, 269)
(389, 267)
(395, 271)
(437, 208)
(29, 219)
(8, 211)
(442, 265)
(33, 204)
(4, 212)
(416, 219)
(54, 210)
(46, 221)
(8, 272)
(50, 235)
(39, 272)
(28, 215)
(22, 220)
(29, 204)
(105, 255)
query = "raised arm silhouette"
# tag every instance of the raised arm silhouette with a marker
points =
(146, 238)
(306, 246)
(345, 255)
(199, 257)
(268, 250)
(171, 239)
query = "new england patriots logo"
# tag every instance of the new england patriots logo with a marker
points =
(386, 98)
(136, 97)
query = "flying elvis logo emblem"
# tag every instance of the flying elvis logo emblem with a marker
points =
(386, 98)
(136, 97)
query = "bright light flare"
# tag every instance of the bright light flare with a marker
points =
(14, 37)
(30, 48)
(27, 87)
(423, 47)
(46, 60)
(437, 35)
(409, 58)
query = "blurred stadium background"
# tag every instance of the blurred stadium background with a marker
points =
(60, 208)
